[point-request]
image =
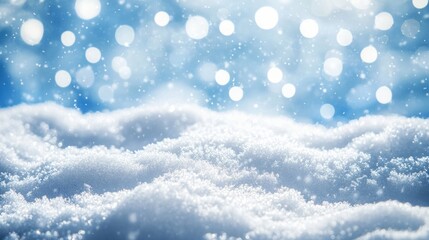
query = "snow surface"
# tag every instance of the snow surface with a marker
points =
(184, 172)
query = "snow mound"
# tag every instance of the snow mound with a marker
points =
(183, 172)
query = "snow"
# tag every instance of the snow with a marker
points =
(185, 172)
(32, 31)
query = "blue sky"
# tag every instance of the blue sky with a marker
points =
(165, 64)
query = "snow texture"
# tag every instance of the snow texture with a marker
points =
(184, 172)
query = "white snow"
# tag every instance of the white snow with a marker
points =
(183, 172)
(32, 31)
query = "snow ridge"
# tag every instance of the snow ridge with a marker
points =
(184, 172)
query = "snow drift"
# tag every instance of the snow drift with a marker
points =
(183, 172)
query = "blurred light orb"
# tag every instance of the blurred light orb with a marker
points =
(383, 21)
(87, 9)
(32, 31)
(226, 27)
(207, 71)
(162, 18)
(124, 35)
(266, 17)
(17, 2)
(236, 93)
(333, 66)
(369, 54)
(105, 93)
(62, 78)
(125, 72)
(327, 111)
(288, 90)
(275, 75)
(420, 4)
(361, 4)
(68, 38)
(309, 28)
(118, 62)
(383, 95)
(197, 27)
(93, 55)
(344, 37)
(222, 77)
(85, 77)
(410, 28)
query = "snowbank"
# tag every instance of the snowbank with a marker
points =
(183, 172)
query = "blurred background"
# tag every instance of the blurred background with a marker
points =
(324, 61)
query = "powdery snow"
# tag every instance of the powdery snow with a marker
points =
(183, 172)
